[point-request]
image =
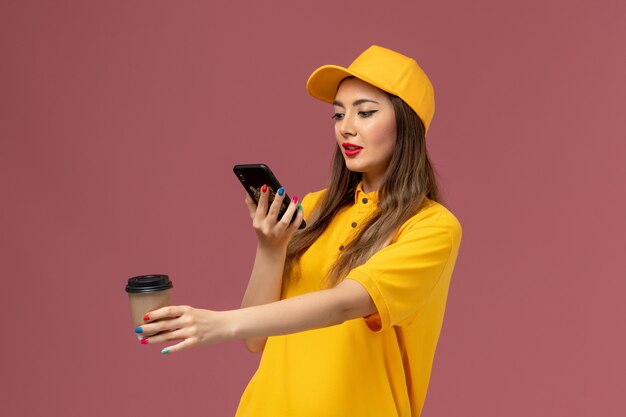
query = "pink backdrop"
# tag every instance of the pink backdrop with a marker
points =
(120, 122)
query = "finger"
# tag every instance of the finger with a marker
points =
(176, 334)
(160, 326)
(276, 204)
(165, 312)
(286, 219)
(263, 202)
(185, 344)
(295, 224)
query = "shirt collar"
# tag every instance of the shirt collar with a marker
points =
(359, 195)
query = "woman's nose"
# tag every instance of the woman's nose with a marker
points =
(346, 127)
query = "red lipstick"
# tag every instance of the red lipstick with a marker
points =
(351, 149)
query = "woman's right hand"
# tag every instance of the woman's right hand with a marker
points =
(270, 231)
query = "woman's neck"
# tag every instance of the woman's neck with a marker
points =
(371, 183)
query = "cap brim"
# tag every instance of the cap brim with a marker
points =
(324, 81)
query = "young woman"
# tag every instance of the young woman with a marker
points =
(347, 311)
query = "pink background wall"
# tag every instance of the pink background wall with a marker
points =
(120, 122)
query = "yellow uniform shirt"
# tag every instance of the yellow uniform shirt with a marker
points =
(377, 366)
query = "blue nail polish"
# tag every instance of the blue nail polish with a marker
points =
(281, 191)
(138, 330)
(165, 351)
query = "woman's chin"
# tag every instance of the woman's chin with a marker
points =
(351, 166)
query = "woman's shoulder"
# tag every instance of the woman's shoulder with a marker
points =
(434, 214)
(312, 200)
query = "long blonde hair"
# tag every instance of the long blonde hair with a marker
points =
(409, 180)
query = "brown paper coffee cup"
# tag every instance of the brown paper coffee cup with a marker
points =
(148, 293)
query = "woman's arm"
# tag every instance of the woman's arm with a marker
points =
(265, 282)
(264, 286)
(346, 301)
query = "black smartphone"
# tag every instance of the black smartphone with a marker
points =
(254, 176)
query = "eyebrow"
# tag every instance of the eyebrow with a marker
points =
(355, 103)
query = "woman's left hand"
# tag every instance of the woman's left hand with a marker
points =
(190, 325)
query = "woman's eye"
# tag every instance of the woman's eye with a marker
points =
(338, 116)
(367, 113)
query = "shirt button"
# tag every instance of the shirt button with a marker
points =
(364, 200)
(353, 224)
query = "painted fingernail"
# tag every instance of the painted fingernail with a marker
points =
(264, 188)
(144, 341)
(138, 330)
(294, 200)
(300, 207)
(146, 317)
(281, 191)
(165, 351)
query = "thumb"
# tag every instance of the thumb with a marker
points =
(251, 206)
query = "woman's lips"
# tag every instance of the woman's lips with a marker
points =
(351, 149)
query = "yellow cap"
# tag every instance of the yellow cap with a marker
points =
(383, 68)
